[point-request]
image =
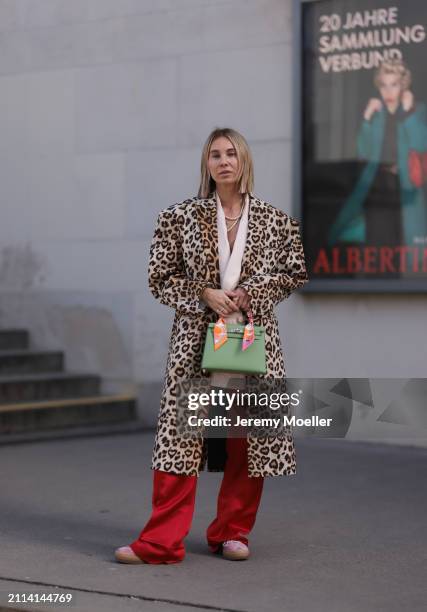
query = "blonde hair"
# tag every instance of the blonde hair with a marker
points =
(245, 178)
(397, 67)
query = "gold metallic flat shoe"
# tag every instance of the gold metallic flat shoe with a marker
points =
(125, 554)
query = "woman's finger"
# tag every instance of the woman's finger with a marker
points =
(233, 306)
(226, 309)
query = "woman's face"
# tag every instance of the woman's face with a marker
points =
(223, 164)
(390, 89)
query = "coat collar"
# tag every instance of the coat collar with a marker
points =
(207, 219)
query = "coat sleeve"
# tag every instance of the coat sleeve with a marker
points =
(267, 290)
(415, 126)
(412, 137)
(364, 140)
(167, 278)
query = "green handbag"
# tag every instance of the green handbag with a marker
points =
(230, 357)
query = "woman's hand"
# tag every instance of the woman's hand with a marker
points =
(407, 100)
(374, 105)
(241, 298)
(219, 301)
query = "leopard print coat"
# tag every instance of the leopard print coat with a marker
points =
(183, 262)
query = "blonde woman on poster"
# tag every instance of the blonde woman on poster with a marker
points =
(387, 206)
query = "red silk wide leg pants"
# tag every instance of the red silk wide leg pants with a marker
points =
(162, 539)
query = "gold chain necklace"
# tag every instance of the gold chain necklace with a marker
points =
(235, 219)
(238, 216)
(233, 224)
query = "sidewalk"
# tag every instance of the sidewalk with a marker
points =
(346, 534)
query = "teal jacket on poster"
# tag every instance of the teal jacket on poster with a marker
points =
(411, 135)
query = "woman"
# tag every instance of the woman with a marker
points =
(187, 263)
(386, 208)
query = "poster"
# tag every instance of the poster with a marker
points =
(364, 142)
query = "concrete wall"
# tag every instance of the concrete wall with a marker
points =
(104, 106)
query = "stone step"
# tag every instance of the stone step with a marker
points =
(75, 412)
(30, 361)
(76, 431)
(47, 386)
(14, 339)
